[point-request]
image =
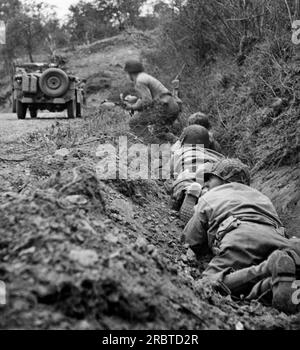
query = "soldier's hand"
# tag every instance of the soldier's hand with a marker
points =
(128, 106)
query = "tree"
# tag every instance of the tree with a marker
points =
(8, 9)
(90, 20)
(27, 29)
(97, 19)
(127, 12)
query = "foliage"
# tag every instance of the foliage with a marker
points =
(241, 68)
(31, 26)
(97, 19)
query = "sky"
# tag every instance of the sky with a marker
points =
(62, 6)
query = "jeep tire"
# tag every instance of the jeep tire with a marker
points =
(14, 105)
(71, 109)
(21, 109)
(54, 82)
(78, 110)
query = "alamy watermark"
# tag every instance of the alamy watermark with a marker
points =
(296, 294)
(296, 32)
(2, 293)
(139, 161)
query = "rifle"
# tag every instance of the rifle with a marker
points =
(176, 86)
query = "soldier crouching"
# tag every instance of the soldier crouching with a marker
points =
(156, 105)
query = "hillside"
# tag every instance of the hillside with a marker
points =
(80, 253)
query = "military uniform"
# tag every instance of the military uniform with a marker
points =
(241, 227)
(187, 166)
(156, 106)
(189, 155)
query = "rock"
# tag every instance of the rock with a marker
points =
(84, 325)
(131, 99)
(84, 257)
(108, 105)
(190, 255)
(239, 326)
(151, 248)
(28, 251)
(277, 103)
(184, 258)
(57, 317)
(79, 238)
(111, 238)
(99, 224)
(76, 199)
(63, 152)
(124, 208)
(141, 243)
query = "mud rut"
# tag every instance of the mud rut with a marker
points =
(78, 253)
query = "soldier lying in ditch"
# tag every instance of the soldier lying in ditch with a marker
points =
(188, 159)
(202, 119)
(252, 255)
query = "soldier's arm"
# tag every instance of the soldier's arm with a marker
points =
(145, 97)
(195, 232)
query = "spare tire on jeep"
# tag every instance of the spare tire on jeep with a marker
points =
(54, 82)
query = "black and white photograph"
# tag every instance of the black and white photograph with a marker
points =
(149, 168)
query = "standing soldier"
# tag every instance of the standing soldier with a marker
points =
(253, 257)
(156, 105)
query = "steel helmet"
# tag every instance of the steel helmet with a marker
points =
(230, 170)
(195, 135)
(199, 118)
(133, 67)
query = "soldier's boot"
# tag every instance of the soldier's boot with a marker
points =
(191, 198)
(283, 269)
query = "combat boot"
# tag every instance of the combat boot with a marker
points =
(191, 199)
(283, 269)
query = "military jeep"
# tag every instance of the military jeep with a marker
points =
(42, 86)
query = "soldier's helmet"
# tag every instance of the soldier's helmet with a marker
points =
(133, 67)
(230, 170)
(195, 135)
(199, 118)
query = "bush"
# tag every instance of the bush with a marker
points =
(241, 72)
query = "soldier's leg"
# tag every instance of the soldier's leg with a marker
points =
(249, 244)
(273, 277)
(252, 279)
(162, 123)
(246, 247)
(139, 124)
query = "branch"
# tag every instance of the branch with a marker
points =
(13, 160)
(268, 85)
(289, 11)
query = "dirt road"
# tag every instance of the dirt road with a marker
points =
(11, 128)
